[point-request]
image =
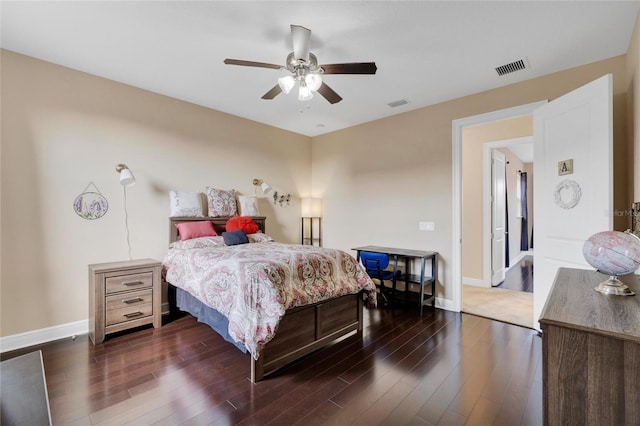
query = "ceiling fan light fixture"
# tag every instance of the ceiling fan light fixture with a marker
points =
(305, 93)
(304, 69)
(286, 83)
(314, 81)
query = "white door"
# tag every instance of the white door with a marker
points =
(498, 219)
(571, 207)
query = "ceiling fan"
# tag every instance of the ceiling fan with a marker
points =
(304, 70)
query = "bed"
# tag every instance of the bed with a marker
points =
(232, 289)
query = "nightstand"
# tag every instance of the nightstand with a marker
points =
(123, 295)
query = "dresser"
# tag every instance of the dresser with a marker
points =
(590, 352)
(123, 295)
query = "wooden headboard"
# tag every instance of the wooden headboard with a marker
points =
(218, 224)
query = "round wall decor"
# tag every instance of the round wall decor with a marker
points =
(567, 194)
(90, 205)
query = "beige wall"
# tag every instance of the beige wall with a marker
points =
(379, 179)
(473, 139)
(62, 129)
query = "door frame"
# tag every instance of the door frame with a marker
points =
(457, 126)
(487, 148)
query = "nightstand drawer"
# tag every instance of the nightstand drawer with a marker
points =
(129, 306)
(129, 282)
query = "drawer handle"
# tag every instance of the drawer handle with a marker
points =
(129, 283)
(133, 314)
(132, 300)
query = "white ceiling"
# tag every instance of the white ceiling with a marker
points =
(523, 151)
(426, 51)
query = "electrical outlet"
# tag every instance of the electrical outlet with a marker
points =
(426, 226)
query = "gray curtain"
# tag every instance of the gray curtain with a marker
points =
(506, 223)
(524, 234)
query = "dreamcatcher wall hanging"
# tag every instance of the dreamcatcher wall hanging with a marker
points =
(89, 204)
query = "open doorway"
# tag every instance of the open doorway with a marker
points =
(515, 203)
(576, 126)
(508, 133)
(496, 215)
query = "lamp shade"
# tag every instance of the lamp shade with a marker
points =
(314, 81)
(304, 92)
(126, 177)
(311, 207)
(286, 83)
(266, 188)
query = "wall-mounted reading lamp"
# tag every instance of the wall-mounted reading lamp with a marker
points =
(126, 179)
(266, 188)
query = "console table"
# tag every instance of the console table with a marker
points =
(590, 352)
(422, 279)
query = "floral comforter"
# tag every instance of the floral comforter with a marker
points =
(254, 284)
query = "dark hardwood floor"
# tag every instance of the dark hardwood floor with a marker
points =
(520, 276)
(443, 368)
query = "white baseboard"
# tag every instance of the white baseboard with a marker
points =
(474, 282)
(518, 258)
(44, 335)
(445, 304)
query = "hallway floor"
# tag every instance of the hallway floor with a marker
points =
(510, 302)
(513, 307)
(520, 276)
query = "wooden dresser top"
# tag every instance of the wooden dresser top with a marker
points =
(573, 303)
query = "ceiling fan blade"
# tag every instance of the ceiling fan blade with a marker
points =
(301, 39)
(350, 68)
(251, 64)
(329, 94)
(275, 91)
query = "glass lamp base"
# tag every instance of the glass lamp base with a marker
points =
(613, 286)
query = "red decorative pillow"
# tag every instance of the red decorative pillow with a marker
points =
(243, 223)
(189, 230)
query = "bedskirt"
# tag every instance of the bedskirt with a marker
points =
(204, 314)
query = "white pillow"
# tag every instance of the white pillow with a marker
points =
(185, 204)
(248, 205)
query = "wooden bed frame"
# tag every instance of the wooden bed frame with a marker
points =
(303, 329)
